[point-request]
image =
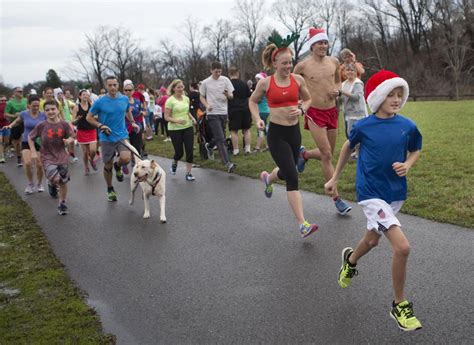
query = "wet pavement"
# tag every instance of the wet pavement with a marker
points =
(230, 266)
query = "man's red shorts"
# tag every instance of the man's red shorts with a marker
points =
(326, 118)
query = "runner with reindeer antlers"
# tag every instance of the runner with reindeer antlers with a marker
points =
(284, 137)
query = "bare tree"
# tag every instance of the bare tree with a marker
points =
(296, 16)
(449, 20)
(412, 16)
(250, 17)
(456, 58)
(328, 11)
(344, 12)
(170, 62)
(138, 68)
(122, 47)
(217, 36)
(192, 54)
(381, 22)
(93, 56)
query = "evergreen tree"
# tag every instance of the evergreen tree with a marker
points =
(52, 79)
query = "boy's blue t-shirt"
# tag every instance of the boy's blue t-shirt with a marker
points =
(111, 112)
(382, 143)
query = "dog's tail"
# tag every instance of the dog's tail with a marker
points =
(131, 148)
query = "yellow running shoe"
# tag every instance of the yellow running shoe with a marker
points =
(402, 313)
(347, 271)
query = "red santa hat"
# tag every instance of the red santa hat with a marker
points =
(316, 35)
(380, 85)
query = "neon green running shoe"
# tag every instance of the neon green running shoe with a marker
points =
(268, 186)
(402, 313)
(118, 172)
(346, 272)
(112, 196)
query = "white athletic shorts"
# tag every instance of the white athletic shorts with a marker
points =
(380, 215)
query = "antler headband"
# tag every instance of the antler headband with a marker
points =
(280, 42)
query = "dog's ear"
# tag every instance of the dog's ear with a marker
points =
(153, 164)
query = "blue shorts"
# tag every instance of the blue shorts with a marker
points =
(5, 132)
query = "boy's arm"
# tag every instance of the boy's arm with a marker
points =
(344, 156)
(70, 135)
(402, 168)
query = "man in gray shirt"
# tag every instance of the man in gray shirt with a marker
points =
(215, 91)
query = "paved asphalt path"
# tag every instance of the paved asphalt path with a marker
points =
(230, 266)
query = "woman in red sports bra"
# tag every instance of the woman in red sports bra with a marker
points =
(283, 90)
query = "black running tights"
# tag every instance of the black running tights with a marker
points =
(284, 143)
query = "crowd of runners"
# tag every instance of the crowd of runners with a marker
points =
(42, 133)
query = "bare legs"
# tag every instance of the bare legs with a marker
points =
(294, 198)
(29, 162)
(325, 141)
(400, 249)
(234, 136)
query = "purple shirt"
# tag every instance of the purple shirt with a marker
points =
(30, 123)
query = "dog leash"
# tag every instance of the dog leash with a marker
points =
(129, 146)
(133, 150)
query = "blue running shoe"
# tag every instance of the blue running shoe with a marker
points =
(342, 207)
(300, 161)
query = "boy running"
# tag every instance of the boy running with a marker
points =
(55, 134)
(389, 146)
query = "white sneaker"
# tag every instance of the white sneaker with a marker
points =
(30, 189)
(40, 188)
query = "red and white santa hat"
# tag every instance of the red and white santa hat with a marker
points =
(380, 85)
(316, 35)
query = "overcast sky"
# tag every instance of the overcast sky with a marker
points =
(38, 35)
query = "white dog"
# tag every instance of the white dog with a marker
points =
(152, 180)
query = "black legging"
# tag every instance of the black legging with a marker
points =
(180, 137)
(284, 143)
(164, 126)
(136, 139)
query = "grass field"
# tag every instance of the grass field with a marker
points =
(440, 184)
(38, 302)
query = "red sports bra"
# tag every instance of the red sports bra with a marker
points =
(278, 96)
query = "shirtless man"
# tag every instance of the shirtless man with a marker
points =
(321, 74)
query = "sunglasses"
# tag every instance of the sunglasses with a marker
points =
(19, 91)
(3, 100)
(128, 90)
